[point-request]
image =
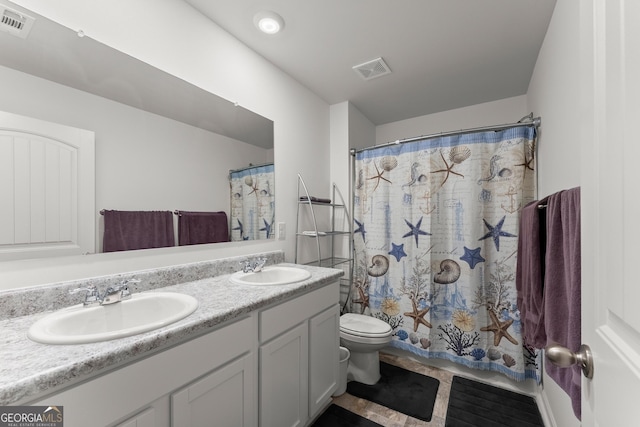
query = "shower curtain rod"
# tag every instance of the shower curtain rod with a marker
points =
(528, 120)
(249, 167)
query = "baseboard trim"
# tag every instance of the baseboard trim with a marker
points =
(545, 408)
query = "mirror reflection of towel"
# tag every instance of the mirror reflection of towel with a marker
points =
(196, 228)
(130, 230)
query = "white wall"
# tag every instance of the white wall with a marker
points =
(203, 54)
(508, 110)
(554, 94)
(362, 132)
(339, 145)
(349, 129)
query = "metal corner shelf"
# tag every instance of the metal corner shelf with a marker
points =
(331, 260)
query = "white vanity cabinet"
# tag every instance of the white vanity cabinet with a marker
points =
(299, 357)
(273, 367)
(217, 367)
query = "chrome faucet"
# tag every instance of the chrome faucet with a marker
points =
(92, 296)
(112, 294)
(258, 264)
(254, 266)
(118, 293)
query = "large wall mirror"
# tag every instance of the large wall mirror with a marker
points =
(161, 144)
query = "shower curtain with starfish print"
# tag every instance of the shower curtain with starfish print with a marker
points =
(252, 203)
(435, 234)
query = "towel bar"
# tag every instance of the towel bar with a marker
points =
(176, 212)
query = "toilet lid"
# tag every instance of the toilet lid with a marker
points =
(364, 326)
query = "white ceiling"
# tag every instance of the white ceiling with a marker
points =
(444, 54)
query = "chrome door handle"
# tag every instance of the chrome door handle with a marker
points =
(565, 358)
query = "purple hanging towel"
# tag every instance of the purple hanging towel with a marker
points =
(129, 230)
(562, 292)
(196, 228)
(530, 273)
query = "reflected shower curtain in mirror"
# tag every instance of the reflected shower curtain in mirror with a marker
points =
(252, 203)
(435, 233)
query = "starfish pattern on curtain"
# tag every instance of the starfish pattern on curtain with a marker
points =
(252, 203)
(438, 262)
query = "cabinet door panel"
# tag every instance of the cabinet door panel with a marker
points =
(324, 355)
(284, 316)
(284, 387)
(223, 398)
(146, 418)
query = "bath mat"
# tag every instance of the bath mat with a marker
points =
(336, 416)
(476, 404)
(403, 391)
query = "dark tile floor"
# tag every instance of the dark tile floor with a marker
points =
(390, 418)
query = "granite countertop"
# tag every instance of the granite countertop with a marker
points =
(29, 369)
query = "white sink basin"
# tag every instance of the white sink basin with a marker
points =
(143, 312)
(269, 276)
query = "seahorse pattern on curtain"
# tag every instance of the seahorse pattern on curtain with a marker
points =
(252, 203)
(435, 234)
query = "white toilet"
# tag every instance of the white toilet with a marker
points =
(364, 336)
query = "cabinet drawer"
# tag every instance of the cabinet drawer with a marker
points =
(274, 321)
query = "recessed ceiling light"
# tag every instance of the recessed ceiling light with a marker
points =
(268, 22)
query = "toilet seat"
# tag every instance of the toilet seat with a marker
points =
(362, 326)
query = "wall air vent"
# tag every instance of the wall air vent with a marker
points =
(372, 69)
(14, 22)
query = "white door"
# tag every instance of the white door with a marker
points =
(610, 48)
(47, 188)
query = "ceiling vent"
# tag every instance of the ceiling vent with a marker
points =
(372, 69)
(14, 22)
